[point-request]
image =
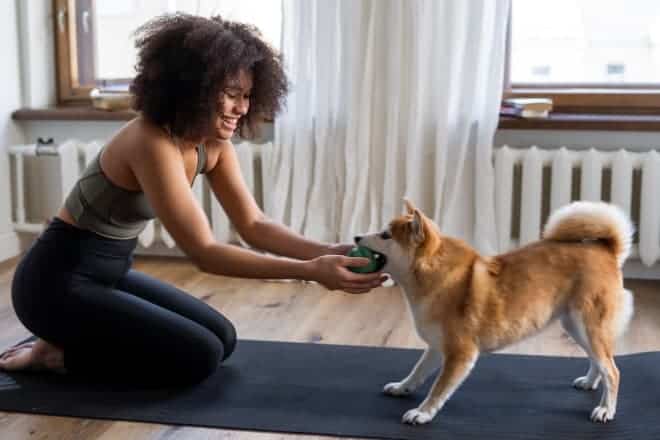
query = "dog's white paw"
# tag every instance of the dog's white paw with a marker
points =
(602, 414)
(417, 417)
(583, 383)
(397, 389)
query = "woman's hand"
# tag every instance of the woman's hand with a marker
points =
(339, 249)
(332, 272)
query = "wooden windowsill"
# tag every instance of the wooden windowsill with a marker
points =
(75, 113)
(71, 113)
(584, 121)
(556, 121)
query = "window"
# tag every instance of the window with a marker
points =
(95, 46)
(597, 56)
(589, 56)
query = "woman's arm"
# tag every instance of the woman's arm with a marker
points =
(274, 237)
(158, 167)
(226, 181)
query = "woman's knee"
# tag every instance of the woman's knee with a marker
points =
(226, 331)
(222, 328)
(201, 360)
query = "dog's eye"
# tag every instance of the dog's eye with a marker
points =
(385, 235)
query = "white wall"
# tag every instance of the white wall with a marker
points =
(10, 132)
(37, 52)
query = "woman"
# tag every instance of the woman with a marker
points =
(198, 81)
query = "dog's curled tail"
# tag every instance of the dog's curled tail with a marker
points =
(592, 221)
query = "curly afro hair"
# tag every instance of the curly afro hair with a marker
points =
(185, 61)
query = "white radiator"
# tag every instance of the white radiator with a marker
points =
(73, 156)
(530, 183)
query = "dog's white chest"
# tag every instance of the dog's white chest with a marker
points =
(430, 332)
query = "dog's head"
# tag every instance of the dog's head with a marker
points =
(405, 239)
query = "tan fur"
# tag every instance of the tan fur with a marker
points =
(464, 303)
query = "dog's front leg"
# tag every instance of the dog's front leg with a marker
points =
(430, 361)
(458, 365)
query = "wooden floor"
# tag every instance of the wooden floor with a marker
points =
(290, 311)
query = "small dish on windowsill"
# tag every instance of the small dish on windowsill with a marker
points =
(529, 108)
(110, 100)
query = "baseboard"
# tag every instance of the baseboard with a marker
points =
(10, 245)
(637, 270)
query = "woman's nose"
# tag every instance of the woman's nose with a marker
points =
(242, 106)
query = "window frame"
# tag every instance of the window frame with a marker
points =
(584, 98)
(70, 88)
(642, 99)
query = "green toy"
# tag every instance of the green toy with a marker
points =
(376, 259)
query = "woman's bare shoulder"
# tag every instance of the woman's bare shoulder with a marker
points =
(138, 147)
(144, 140)
(149, 134)
(137, 134)
(215, 150)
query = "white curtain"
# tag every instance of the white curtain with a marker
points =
(390, 98)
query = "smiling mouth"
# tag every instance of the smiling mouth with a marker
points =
(229, 122)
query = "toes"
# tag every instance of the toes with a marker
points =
(416, 417)
(602, 414)
(33, 357)
(396, 389)
(15, 351)
(16, 348)
(18, 360)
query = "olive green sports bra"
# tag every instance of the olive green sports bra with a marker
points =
(98, 205)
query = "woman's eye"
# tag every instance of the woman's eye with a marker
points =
(385, 235)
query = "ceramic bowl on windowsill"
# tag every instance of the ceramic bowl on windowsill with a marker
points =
(110, 100)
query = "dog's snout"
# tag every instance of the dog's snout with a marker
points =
(357, 239)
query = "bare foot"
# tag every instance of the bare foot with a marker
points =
(38, 355)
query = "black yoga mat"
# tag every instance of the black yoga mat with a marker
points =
(336, 390)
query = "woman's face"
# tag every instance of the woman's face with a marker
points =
(234, 103)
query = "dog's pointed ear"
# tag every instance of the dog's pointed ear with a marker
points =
(410, 207)
(418, 226)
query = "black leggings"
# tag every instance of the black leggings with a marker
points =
(75, 290)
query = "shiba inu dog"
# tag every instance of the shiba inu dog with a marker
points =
(463, 303)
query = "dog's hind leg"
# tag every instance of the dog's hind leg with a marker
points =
(575, 328)
(428, 363)
(592, 325)
(458, 364)
(601, 339)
